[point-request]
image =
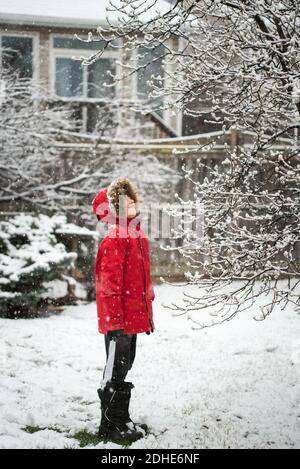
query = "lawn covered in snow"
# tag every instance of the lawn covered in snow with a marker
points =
(230, 386)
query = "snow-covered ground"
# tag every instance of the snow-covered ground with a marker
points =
(230, 386)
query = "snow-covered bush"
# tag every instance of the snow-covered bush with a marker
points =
(30, 257)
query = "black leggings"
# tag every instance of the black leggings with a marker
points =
(120, 355)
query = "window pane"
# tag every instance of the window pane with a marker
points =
(17, 55)
(144, 75)
(98, 76)
(73, 43)
(68, 77)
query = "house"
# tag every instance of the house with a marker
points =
(37, 37)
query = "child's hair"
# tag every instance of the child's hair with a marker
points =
(120, 186)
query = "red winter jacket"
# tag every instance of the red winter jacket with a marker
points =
(124, 291)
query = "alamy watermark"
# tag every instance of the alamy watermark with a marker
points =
(158, 221)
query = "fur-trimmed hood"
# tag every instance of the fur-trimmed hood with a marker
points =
(106, 203)
(120, 187)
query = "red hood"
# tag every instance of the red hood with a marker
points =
(101, 208)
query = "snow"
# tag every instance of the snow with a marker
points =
(69, 12)
(71, 228)
(59, 288)
(231, 386)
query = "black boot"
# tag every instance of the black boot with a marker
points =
(113, 424)
(127, 386)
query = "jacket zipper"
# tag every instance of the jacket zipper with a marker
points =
(144, 293)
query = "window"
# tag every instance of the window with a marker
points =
(74, 80)
(17, 54)
(152, 70)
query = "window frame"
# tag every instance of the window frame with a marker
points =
(60, 52)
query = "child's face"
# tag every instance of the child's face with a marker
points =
(130, 207)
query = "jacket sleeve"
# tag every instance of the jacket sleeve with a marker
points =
(111, 282)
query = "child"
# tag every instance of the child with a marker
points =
(124, 296)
